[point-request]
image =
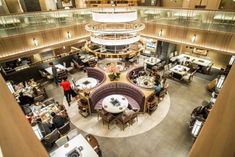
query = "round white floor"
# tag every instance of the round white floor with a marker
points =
(94, 126)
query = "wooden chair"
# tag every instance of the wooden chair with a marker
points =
(83, 107)
(106, 117)
(133, 117)
(152, 103)
(94, 144)
(124, 120)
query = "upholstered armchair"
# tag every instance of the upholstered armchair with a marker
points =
(49, 140)
(65, 128)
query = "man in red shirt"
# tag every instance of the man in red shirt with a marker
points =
(65, 84)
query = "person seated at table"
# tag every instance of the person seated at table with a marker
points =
(134, 75)
(157, 88)
(44, 127)
(206, 110)
(25, 99)
(35, 92)
(57, 120)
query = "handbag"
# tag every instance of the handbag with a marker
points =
(73, 93)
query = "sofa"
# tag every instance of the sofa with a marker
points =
(96, 73)
(134, 96)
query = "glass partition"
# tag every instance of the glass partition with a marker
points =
(198, 19)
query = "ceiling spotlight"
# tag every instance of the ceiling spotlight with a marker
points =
(35, 42)
(194, 38)
(160, 33)
(69, 36)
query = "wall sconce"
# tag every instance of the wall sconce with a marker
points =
(35, 42)
(69, 36)
(194, 38)
(160, 33)
(64, 47)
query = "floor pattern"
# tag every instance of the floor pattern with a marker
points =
(144, 123)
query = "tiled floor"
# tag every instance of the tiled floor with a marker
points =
(171, 138)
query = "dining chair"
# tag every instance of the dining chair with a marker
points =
(64, 129)
(72, 134)
(61, 141)
(94, 144)
(152, 104)
(107, 118)
(124, 120)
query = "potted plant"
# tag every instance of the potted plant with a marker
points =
(113, 71)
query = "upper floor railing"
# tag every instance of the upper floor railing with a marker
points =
(211, 20)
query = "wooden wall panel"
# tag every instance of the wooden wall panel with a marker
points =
(217, 137)
(17, 45)
(17, 138)
(217, 41)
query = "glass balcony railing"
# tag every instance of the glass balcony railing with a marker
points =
(212, 20)
(15, 24)
(197, 19)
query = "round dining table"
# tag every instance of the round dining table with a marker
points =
(115, 103)
(86, 83)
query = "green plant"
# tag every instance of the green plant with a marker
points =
(114, 76)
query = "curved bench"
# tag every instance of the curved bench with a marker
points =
(136, 70)
(96, 73)
(134, 96)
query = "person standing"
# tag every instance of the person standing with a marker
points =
(54, 72)
(65, 84)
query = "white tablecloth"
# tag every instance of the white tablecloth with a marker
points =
(152, 61)
(142, 79)
(180, 69)
(77, 141)
(86, 83)
(192, 59)
(112, 108)
(59, 66)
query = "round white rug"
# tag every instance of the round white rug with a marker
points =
(94, 126)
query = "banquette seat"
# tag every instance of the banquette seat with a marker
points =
(136, 70)
(135, 97)
(96, 73)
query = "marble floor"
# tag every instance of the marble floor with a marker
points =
(143, 123)
(170, 138)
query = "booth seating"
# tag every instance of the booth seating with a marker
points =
(136, 71)
(96, 73)
(135, 97)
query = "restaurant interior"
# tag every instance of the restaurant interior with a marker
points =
(117, 78)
